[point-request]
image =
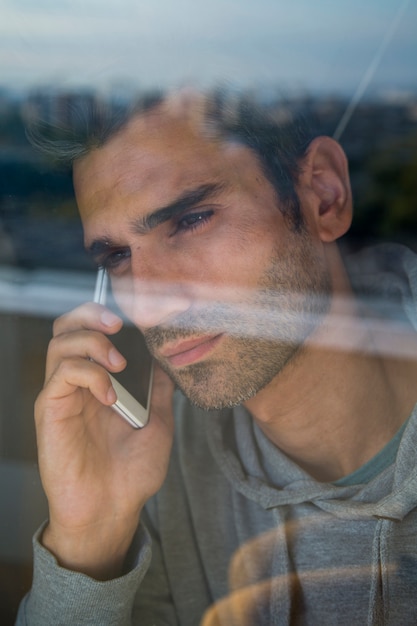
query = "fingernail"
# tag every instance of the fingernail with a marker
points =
(109, 319)
(115, 357)
(111, 395)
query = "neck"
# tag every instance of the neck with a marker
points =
(342, 397)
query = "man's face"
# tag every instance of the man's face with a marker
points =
(200, 256)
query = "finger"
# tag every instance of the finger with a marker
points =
(83, 344)
(72, 375)
(240, 608)
(88, 316)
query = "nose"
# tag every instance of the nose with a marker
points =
(150, 301)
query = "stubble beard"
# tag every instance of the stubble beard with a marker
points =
(261, 333)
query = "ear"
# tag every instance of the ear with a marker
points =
(325, 179)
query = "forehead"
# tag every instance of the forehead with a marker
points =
(156, 155)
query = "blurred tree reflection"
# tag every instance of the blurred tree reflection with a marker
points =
(388, 206)
(39, 218)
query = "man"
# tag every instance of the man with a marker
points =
(286, 492)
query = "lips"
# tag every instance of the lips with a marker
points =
(190, 350)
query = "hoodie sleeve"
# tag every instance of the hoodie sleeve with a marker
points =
(62, 597)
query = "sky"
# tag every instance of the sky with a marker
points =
(293, 45)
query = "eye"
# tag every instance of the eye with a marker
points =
(194, 220)
(114, 259)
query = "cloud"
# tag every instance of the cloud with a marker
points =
(164, 42)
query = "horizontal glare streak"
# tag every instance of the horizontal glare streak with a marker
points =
(48, 294)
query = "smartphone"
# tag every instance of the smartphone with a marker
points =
(133, 405)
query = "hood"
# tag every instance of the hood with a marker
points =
(385, 277)
(259, 471)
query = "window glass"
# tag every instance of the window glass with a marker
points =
(346, 67)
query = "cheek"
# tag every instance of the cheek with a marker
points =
(123, 295)
(234, 263)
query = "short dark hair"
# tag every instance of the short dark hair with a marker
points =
(87, 123)
(279, 145)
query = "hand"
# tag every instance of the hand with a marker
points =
(251, 588)
(97, 471)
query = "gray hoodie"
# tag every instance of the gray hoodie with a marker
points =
(239, 524)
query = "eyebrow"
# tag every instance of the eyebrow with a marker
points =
(186, 201)
(145, 224)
